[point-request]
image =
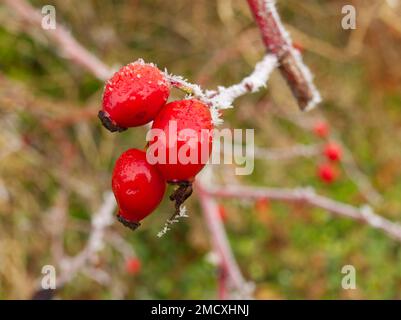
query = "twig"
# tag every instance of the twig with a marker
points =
(182, 213)
(363, 214)
(102, 219)
(220, 242)
(278, 42)
(224, 97)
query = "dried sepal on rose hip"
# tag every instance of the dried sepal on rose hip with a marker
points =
(181, 144)
(133, 96)
(137, 186)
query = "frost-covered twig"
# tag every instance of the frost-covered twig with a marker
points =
(278, 42)
(181, 83)
(176, 218)
(363, 214)
(224, 97)
(102, 219)
(220, 243)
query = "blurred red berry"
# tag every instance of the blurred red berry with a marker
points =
(262, 205)
(327, 172)
(133, 266)
(187, 126)
(137, 186)
(223, 213)
(133, 96)
(321, 129)
(333, 151)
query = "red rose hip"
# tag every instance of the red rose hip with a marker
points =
(321, 129)
(137, 186)
(133, 96)
(186, 128)
(262, 205)
(333, 151)
(133, 266)
(327, 172)
(223, 213)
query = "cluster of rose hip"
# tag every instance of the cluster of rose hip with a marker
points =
(328, 171)
(136, 95)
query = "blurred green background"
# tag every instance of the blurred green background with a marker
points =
(54, 154)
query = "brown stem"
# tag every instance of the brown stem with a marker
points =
(182, 193)
(277, 41)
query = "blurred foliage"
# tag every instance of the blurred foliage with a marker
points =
(288, 251)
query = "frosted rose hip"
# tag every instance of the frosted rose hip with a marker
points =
(133, 96)
(188, 124)
(137, 186)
